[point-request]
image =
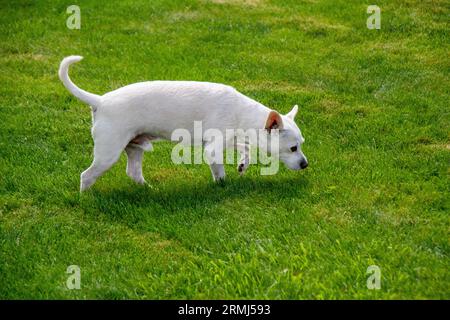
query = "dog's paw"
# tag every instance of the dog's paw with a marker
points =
(140, 180)
(242, 167)
(220, 181)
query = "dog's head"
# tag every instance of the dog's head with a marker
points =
(290, 139)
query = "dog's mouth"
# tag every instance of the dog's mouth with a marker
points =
(293, 167)
(297, 166)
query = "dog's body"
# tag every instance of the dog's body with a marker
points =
(130, 117)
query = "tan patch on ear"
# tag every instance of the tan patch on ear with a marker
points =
(274, 121)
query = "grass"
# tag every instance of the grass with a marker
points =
(373, 108)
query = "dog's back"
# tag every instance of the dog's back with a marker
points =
(160, 107)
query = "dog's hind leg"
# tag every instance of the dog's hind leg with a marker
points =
(134, 163)
(107, 149)
(135, 152)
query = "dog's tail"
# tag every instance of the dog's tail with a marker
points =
(87, 97)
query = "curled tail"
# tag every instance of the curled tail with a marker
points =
(87, 97)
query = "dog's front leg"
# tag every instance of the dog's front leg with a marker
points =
(215, 161)
(244, 161)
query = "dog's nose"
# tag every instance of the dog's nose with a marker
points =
(303, 164)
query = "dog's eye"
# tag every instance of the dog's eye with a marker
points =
(293, 149)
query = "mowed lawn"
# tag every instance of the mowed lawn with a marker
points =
(374, 110)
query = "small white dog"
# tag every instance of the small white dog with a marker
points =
(130, 117)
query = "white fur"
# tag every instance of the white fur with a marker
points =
(129, 117)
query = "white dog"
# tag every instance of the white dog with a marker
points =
(130, 117)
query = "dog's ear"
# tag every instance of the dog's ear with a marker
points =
(274, 121)
(293, 112)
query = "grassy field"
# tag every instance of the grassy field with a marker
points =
(374, 110)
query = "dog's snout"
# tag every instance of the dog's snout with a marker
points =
(303, 164)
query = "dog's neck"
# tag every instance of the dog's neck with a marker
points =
(254, 117)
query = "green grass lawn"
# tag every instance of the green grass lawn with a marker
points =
(374, 110)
